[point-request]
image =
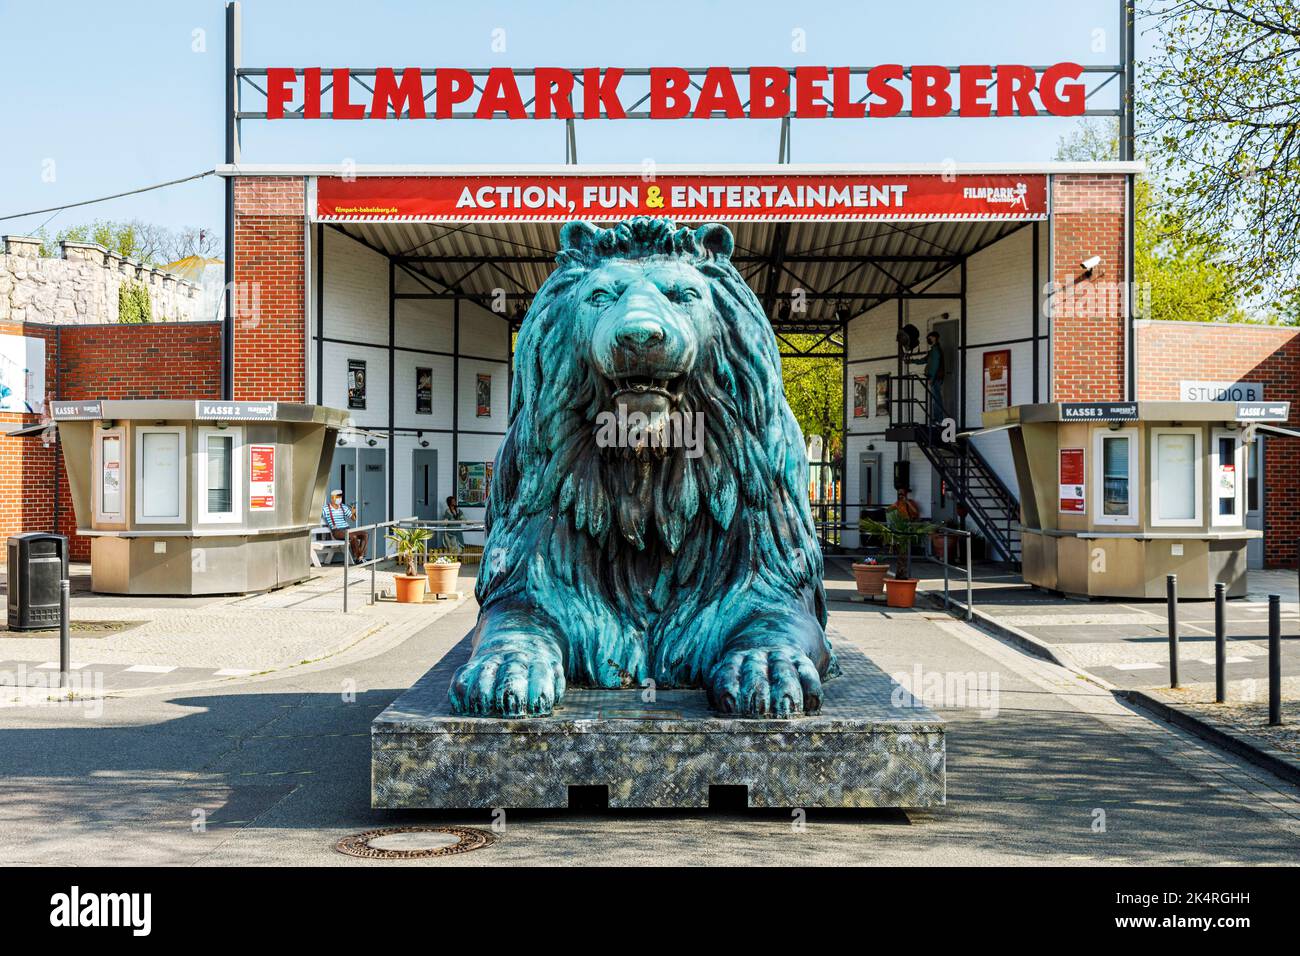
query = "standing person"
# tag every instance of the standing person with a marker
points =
(933, 363)
(453, 541)
(338, 517)
(906, 505)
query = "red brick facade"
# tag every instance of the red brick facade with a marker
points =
(270, 324)
(1088, 311)
(85, 362)
(1171, 352)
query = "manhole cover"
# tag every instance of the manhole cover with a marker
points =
(83, 629)
(414, 843)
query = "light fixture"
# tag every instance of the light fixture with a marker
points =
(783, 312)
(1113, 426)
(107, 423)
(371, 442)
(1090, 263)
(342, 441)
(222, 426)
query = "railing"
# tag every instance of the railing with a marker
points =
(379, 554)
(958, 533)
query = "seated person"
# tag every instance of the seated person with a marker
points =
(338, 517)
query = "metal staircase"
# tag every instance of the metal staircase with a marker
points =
(989, 503)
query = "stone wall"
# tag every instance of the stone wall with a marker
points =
(80, 287)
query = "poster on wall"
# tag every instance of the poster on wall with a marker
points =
(483, 395)
(1226, 486)
(110, 495)
(997, 379)
(882, 396)
(473, 481)
(356, 383)
(22, 374)
(424, 391)
(1071, 481)
(261, 477)
(861, 389)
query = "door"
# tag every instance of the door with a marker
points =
(372, 485)
(424, 483)
(1255, 501)
(869, 478)
(950, 342)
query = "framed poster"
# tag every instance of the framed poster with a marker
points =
(473, 481)
(424, 391)
(22, 374)
(1071, 481)
(861, 388)
(356, 383)
(483, 395)
(882, 395)
(261, 477)
(997, 379)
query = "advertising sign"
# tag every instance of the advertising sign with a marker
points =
(236, 411)
(483, 395)
(74, 410)
(473, 481)
(882, 396)
(424, 391)
(1263, 411)
(688, 198)
(997, 379)
(261, 477)
(22, 374)
(356, 384)
(861, 389)
(1071, 481)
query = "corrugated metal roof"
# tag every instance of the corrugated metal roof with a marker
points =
(831, 261)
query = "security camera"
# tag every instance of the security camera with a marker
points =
(1090, 263)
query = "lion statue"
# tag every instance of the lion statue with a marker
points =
(619, 555)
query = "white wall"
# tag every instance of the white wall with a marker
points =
(355, 326)
(999, 315)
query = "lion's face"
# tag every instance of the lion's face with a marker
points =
(647, 318)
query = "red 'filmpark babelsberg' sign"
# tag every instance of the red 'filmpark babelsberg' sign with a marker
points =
(689, 198)
(769, 92)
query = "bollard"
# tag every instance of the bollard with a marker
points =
(1220, 643)
(1274, 660)
(347, 551)
(1171, 598)
(65, 633)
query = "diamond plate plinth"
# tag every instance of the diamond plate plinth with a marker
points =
(872, 745)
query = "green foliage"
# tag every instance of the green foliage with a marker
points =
(814, 387)
(1220, 111)
(409, 544)
(145, 242)
(897, 533)
(133, 305)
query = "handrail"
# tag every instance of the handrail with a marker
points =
(347, 554)
(970, 589)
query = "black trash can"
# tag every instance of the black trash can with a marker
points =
(38, 561)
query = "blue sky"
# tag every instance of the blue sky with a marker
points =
(111, 96)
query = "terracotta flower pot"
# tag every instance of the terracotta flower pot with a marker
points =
(900, 592)
(409, 587)
(442, 577)
(870, 578)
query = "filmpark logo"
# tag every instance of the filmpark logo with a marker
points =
(773, 92)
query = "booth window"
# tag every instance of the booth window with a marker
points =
(108, 466)
(1227, 497)
(220, 473)
(1176, 476)
(1115, 454)
(160, 475)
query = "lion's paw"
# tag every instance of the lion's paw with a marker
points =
(765, 682)
(507, 684)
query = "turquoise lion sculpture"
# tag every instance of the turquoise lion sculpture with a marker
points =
(648, 519)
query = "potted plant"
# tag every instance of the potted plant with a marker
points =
(442, 571)
(899, 533)
(408, 543)
(870, 576)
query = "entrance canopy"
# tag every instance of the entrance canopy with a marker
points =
(819, 245)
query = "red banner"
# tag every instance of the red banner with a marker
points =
(715, 198)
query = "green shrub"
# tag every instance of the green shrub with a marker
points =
(133, 305)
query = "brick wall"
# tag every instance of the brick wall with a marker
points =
(1171, 352)
(86, 362)
(268, 291)
(1088, 312)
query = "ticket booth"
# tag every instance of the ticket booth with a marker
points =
(1114, 496)
(206, 497)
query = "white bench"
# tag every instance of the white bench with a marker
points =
(323, 540)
